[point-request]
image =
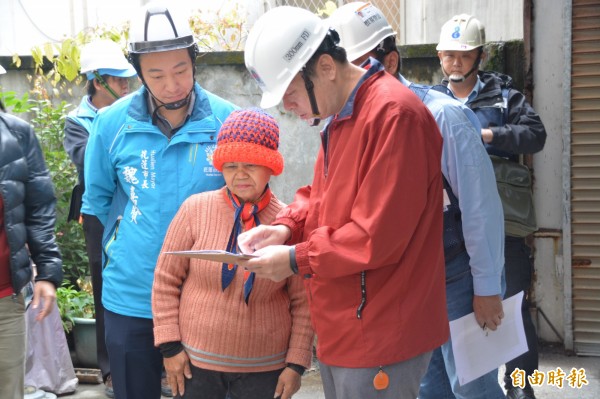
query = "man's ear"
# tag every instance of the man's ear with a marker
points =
(482, 58)
(327, 67)
(97, 84)
(391, 62)
(440, 57)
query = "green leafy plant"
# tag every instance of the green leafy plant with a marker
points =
(327, 10)
(14, 103)
(48, 121)
(73, 303)
(223, 30)
(58, 63)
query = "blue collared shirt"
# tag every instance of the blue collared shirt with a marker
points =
(469, 171)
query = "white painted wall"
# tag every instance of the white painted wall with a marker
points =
(422, 19)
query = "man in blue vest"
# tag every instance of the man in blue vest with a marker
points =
(107, 72)
(510, 127)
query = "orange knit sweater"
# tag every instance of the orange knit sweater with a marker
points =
(218, 330)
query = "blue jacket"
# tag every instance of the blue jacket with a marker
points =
(29, 205)
(135, 180)
(77, 127)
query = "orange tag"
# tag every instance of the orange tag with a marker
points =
(381, 380)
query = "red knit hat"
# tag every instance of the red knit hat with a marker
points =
(249, 136)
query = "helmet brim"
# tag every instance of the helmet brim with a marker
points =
(270, 99)
(161, 45)
(119, 73)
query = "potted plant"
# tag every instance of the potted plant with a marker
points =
(76, 307)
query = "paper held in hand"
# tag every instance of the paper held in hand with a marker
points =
(215, 255)
(478, 351)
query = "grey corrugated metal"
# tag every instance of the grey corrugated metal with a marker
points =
(585, 175)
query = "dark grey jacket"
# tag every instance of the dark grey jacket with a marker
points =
(519, 130)
(29, 204)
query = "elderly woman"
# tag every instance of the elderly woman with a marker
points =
(222, 332)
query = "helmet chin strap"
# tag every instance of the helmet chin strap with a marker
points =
(466, 75)
(102, 82)
(310, 89)
(170, 106)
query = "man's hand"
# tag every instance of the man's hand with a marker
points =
(43, 290)
(488, 311)
(487, 135)
(288, 383)
(273, 263)
(178, 367)
(263, 236)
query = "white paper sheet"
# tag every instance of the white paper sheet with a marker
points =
(477, 352)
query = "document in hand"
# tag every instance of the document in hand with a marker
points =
(216, 255)
(478, 351)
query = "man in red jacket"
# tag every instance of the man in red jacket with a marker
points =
(367, 234)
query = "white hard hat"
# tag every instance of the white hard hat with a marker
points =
(106, 57)
(157, 28)
(461, 33)
(279, 45)
(2, 70)
(361, 27)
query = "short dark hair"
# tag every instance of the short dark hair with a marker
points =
(385, 47)
(91, 89)
(134, 59)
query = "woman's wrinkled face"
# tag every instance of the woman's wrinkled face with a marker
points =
(246, 181)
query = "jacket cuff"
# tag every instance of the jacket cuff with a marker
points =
(302, 260)
(488, 285)
(294, 229)
(300, 357)
(297, 368)
(170, 349)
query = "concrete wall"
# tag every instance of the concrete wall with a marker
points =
(551, 62)
(225, 74)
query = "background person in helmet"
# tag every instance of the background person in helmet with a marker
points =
(363, 235)
(473, 219)
(509, 127)
(261, 344)
(146, 154)
(107, 72)
(27, 218)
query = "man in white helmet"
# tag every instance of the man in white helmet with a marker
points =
(146, 154)
(107, 72)
(363, 235)
(509, 127)
(473, 218)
